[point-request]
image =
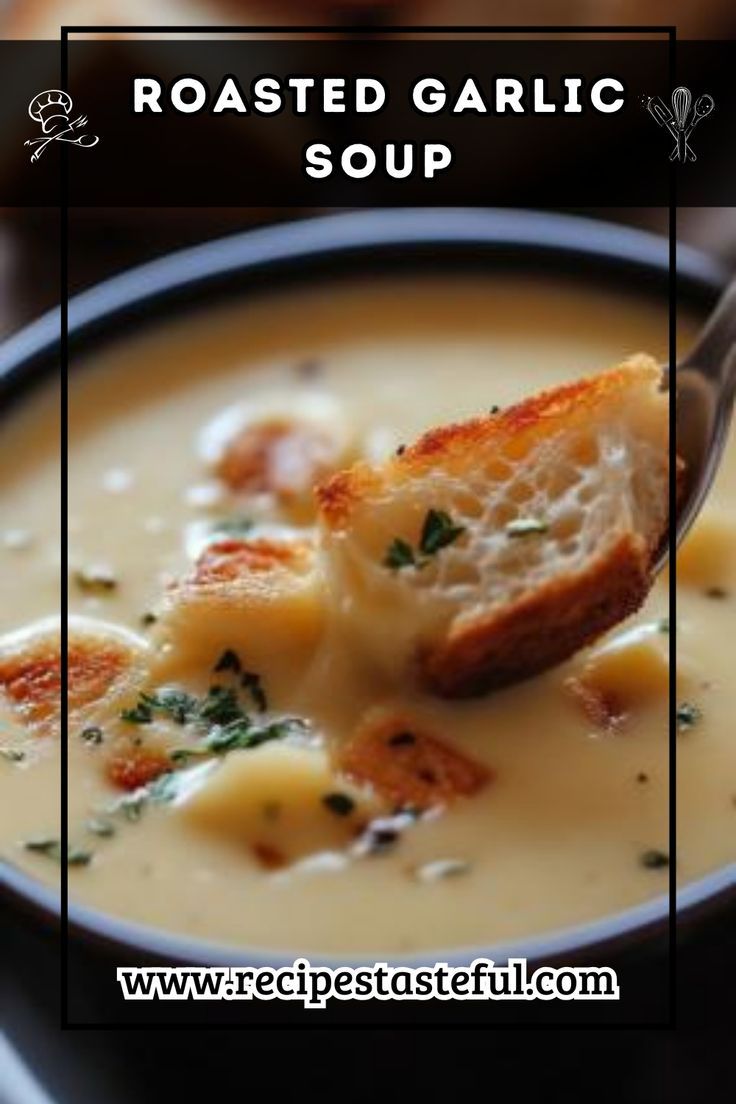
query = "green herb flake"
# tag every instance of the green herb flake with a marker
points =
(99, 827)
(148, 619)
(228, 661)
(140, 713)
(131, 806)
(44, 845)
(526, 527)
(221, 706)
(438, 532)
(252, 682)
(653, 859)
(688, 716)
(340, 804)
(180, 706)
(92, 735)
(399, 554)
(12, 755)
(51, 848)
(231, 527)
(77, 856)
(663, 625)
(239, 735)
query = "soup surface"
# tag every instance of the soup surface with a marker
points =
(573, 821)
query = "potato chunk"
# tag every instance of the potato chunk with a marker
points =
(263, 597)
(621, 677)
(707, 558)
(280, 801)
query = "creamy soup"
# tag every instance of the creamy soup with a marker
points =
(571, 822)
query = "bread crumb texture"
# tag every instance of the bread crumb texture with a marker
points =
(562, 501)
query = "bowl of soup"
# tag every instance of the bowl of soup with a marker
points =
(210, 390)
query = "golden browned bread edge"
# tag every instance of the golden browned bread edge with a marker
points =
(532, 418)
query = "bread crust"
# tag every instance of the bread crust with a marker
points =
(543, 628)
(30, 677)
(544, 624)
(519, 427)
(230, 561)
(407, 766)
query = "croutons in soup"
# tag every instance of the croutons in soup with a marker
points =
(249, 761)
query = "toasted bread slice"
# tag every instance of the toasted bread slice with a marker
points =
(407, 766)
(495, 548)
(103, 661)
(279, 444)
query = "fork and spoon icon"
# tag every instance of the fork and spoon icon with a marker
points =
(680, 121)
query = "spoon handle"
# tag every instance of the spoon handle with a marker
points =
(710, 354)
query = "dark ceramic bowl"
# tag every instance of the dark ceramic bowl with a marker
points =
(339, 245)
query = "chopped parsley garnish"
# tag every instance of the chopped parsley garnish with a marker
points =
(148, 619)
(219, 718)
(92, 734)
(438, 531)
(44, 845)
(76, 856)
(663, 625)
(653, 859)
(252, 682)
(526, 527)
(339, 803)
(231, 527)
(688, 716)
(140, 713)
(220, 706)
(237, 735)
(99, 827)
(13, 755)
(131, 805)
(177, 704)
(51, 847)
(228, 661)
(399, 554)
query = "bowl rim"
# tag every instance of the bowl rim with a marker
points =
(283, 248)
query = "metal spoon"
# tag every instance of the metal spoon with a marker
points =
(705, 383)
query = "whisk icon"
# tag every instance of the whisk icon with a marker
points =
(681, 101)
(682, 119)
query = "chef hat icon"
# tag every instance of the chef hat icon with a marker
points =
(48, 106)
